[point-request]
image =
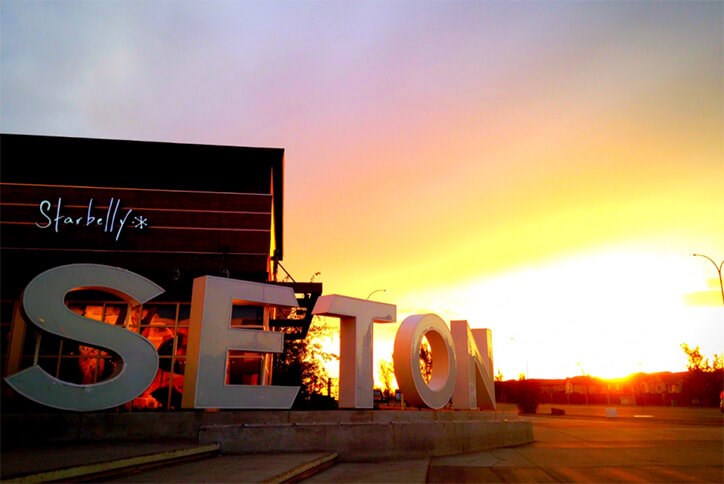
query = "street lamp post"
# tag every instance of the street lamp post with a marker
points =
(376, 291)
(718, 270)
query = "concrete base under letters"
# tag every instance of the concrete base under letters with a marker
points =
(356, 435)
(364, 435)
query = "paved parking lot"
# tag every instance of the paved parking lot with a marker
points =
(596, 450)
(640, 444)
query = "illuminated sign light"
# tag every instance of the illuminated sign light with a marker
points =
(462, 370)
(112, 222)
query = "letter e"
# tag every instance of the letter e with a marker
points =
(211, 337)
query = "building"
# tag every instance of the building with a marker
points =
(662, 388)
(170, 212)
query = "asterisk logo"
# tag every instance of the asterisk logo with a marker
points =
(140, 222)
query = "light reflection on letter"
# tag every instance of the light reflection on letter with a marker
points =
(211, 337)
(474, 350)
(356, 317)
(44, 304)
(406, 356)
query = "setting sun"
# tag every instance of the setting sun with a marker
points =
(607, 313)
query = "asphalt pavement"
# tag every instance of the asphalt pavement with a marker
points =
(639, 444)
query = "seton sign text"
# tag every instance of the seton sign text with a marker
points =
(462, 367)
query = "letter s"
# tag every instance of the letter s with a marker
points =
(44, 304)
(47, 205)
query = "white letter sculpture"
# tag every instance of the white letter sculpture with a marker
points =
(356, 317)
(44, 304)
(406, 356)
(211, 337)
(474, 350)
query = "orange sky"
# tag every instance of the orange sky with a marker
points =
(543, 169)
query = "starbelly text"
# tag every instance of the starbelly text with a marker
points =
(113, 219)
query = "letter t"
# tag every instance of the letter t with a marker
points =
(355, 340)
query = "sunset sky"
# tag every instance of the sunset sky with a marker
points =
(542, 169)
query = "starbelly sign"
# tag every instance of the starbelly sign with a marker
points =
(110, 221)
(462, 367)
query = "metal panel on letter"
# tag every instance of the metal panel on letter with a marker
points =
(44, 304)
(211, 337)
(415, 391)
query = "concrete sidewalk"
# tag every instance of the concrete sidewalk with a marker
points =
(65, 461)
(649, 444)
(578, 448)
(287, 443)
(249, 468)
(155, 462)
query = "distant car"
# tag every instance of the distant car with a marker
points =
(721, 401)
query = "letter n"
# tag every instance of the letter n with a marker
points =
(474, 387)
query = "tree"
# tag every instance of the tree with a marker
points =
(387, 375)
(697, 361)
(302, 364)
(499, 375)
(704, 380)
(426, 360)
(526, 394)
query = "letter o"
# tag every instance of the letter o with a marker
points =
(406, 356)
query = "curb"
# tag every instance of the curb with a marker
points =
(305, 470)
(633, 418)
(101, 468)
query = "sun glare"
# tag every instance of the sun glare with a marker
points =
(609, 313)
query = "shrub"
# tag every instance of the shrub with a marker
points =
(527, 394)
